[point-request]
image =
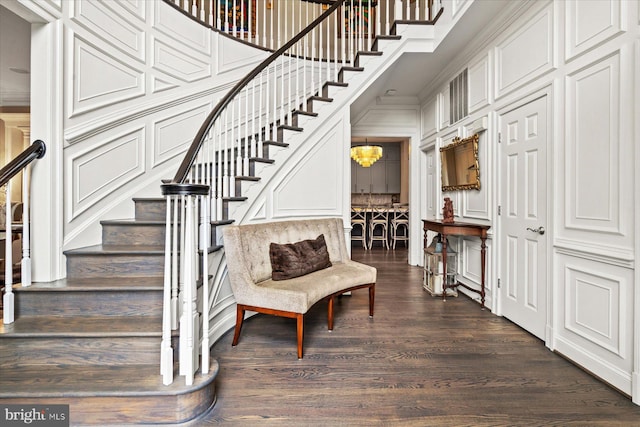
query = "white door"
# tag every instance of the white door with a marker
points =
(523, 215)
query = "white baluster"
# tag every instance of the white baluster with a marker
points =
(234, 22)
(25, 264)
(166, 351)
(210, 21)
(206, 236)
(175, 285)
(8, 300)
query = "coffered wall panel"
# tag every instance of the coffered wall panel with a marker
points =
(590, 23)
(526, 54)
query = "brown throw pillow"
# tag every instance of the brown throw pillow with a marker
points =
(291, 260)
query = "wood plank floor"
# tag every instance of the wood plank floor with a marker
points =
(418, 362)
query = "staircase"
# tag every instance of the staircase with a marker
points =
(92, 340)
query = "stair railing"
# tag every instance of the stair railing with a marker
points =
(270, 23)
(236, 136)
(21, 163)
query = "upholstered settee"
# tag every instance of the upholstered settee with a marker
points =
(249, 263)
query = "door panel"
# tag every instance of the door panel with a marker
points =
(523, 290)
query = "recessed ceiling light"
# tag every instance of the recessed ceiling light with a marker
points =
(391, 92)
(19, 70)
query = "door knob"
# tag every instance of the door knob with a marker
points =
(540, 230)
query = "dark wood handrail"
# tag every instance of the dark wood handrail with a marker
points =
(190, 157)
(22, 160)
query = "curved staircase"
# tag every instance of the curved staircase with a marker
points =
(93, 340)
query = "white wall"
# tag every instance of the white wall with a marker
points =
(585, 54)
(119, 89)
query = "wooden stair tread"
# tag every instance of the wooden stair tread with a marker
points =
(82, 326)
(96, 380)
(117, 249)
(96, 284)
(131, 221)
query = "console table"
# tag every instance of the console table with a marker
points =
(459, 229)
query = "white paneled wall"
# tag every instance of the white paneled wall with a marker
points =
(585, 56)
(145, 78)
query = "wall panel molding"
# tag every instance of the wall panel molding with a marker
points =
(178, 28)
(606, 254)
(429, 118)
(178, 64)
(168, 138)
(589, 24)
(593, 144)
(594, 307)
(479, 84)
(88, 129)
(111, 27)
(525, 55)
(293, 197)
(100, 169)
(101, 78)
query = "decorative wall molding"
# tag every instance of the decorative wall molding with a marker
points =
(296, 195)
(169, 139)
(593, 144)
(176, 63)
(479, 84)
(112, 28)
(232, 55)
(181, 29)
(101, 78)
(136, 7)
(594, 307)
(429, 118)
(597, 252)
(75, 134)
(445, 105)
(100, 169)
(526, 54)
(587, 25)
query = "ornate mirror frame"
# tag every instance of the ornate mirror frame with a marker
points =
(460, 169)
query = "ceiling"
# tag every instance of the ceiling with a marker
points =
(414, 73)
(15, 52)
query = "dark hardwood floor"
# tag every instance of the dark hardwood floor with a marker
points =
(418, 362)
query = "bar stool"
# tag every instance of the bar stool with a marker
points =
(359, 219)
(400, 221)
(379, 223)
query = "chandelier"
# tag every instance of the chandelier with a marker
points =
(366, 155)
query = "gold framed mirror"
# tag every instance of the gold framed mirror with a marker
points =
(459, 164)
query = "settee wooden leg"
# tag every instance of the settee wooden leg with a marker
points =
(330, 313)
(372, 296)
(300, 328)
(239, 319)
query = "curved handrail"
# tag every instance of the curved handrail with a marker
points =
(191, 154)
(22, 160)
